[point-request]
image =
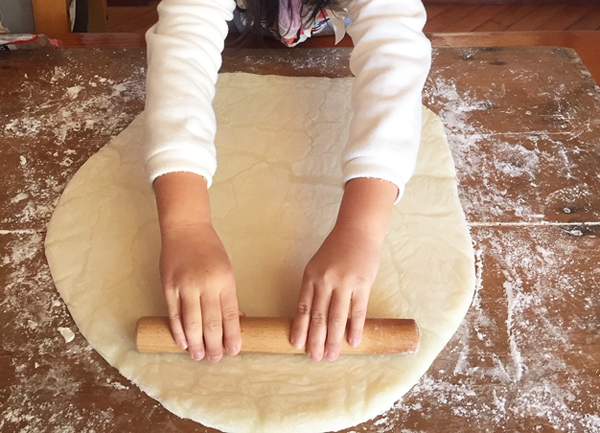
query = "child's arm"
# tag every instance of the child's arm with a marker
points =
(196, 273)
(390, 61)
(184, 56)
(337, 280)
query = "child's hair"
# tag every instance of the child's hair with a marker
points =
(263, 14)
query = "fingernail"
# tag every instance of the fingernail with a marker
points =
(197, 356)
(214, 358)
(330, 356)
(315, 357)
(355, 341)
(233, 350)
(183, 345)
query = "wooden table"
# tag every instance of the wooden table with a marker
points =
(586, 43)
(523, 125)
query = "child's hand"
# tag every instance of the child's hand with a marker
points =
(338, 279)
(199, 288)
(336, 286)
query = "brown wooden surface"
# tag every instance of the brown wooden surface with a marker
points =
(448, 17)
(523, 127)
(51, 16)
(572, 24)
(586, 43)
(442, 16)
(98, 16)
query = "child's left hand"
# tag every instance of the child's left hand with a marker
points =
(338, 279)
(336, 286)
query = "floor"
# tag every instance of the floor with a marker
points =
(493, 18)
(568, 15)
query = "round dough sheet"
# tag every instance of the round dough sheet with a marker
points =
(274, 199)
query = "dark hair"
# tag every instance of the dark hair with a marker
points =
(264, 14)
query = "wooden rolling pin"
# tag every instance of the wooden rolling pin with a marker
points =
(271, 335)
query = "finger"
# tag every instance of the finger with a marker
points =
(174, 308)
(358, 314)
(192, 324)
(212, 326)
(336, 323)
(232, 338)
(302, 318)
(318, 323)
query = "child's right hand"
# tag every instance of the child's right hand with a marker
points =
(197, 277)
(199, 288)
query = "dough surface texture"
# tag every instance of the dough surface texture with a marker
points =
(274, 199)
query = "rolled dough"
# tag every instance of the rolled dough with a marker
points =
(274, 200)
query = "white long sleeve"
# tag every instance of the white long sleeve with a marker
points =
(184, 57)
(390, 61)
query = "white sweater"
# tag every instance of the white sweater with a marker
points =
(390, 61)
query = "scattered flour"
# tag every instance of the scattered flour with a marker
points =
(509, 364)
(116, 385)
(34, 313)
(508, 165)
(42, 393)
(73, 92)
(48, 126)
(506, 365)
(19, 197)
(60, 119)
(59, 73)
(320, 64)
(538, 372)
(66, 333)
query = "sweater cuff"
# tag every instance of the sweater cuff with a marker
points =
(362, 167)
(177, 161)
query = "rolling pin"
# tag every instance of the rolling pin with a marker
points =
(271, 335)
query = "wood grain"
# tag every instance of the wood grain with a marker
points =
(536, 19)
(509, 16)
(586, 43)
(51, 16)
(471, 22)
(566, 18)
(590, 21)
(450, 17)
(528, 353)
(272, 335)
(443, 17)
(97, 16)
